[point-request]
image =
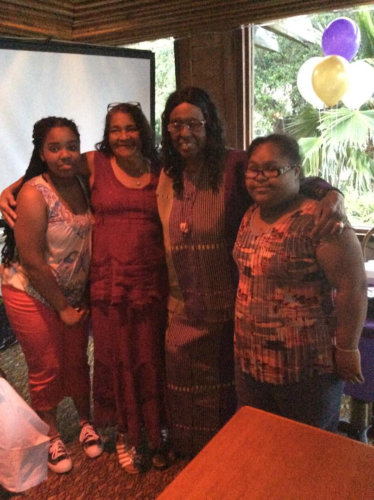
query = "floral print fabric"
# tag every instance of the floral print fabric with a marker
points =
(68, 249)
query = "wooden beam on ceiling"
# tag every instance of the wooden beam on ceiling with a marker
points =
(44, 18)
(119, 22)
(151, 19)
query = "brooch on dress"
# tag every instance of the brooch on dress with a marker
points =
(185, 227)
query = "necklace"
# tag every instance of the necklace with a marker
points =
(132, 175)
(143, 169)
(190, 188)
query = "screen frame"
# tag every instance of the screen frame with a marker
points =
(98, 50)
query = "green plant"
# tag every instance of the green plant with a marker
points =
(360, 208)
(165, 81)
(337, 143)
(366, 26)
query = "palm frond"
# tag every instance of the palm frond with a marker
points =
(366, 26)
(337, 149)
(311, 150)
(303, 125)
(342, 128)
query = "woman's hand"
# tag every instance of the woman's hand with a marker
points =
(7, 204)
(330, 217)
(71, 316)
(348, 364)
(84, 309)
(84, 305)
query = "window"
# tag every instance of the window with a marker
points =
(165, 74)
(337, 141)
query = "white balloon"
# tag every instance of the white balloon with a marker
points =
(361, 84)
(304, 82)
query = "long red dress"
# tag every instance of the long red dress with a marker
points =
(128, 297)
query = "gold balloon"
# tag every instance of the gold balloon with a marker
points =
(330, 79)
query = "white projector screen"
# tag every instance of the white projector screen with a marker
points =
(73, 81)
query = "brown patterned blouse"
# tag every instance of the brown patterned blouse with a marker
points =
(284, 319)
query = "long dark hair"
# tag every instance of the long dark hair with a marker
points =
(148, 148)
(173, 162)
(36, 167)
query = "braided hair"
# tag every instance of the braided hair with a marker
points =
(214, 151)
(36, 167)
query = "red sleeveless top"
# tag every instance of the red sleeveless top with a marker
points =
(128, 259)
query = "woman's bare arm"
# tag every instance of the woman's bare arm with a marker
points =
(8, 202)
(30, 233)
(342, 262)
(86, 166)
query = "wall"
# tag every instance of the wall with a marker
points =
(219, 63)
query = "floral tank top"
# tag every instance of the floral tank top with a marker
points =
(68, 251)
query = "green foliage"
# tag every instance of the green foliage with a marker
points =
(360, 209)
(338, 149)
(165, 75)
(276, 93)
(337, 143)
(366, 26)
(303, 124)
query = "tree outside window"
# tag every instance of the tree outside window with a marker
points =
(337, 142)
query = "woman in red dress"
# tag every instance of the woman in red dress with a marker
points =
(128, 286)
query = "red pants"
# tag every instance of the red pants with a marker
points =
(56, 355)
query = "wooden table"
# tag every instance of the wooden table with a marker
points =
(261, 456)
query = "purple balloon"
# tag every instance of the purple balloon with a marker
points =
(342, 37)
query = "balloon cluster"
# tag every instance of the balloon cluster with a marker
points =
(327, 80)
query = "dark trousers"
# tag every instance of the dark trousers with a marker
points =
(315, 401)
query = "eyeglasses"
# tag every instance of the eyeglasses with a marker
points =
(268, 173)
(130, 103)
(192, 125)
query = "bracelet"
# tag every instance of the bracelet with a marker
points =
(346, 350)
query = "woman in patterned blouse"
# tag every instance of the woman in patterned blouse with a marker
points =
(301, 303)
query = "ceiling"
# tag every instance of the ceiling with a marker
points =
(120, 22)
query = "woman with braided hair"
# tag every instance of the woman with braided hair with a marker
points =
(45, 269)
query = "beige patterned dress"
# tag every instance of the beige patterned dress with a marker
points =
(200, 227)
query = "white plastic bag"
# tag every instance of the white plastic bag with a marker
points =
(24, 442)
